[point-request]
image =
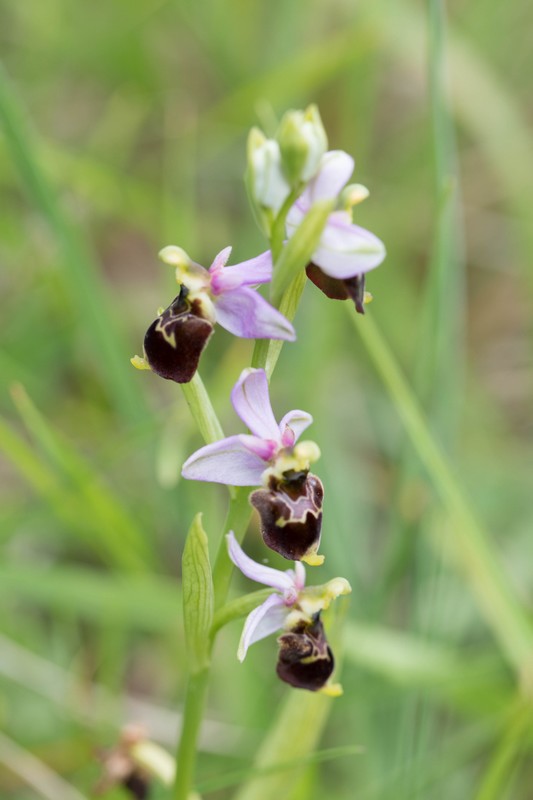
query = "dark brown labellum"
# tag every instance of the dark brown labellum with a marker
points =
(174, 341)
(137, 785)
(291, 514)
(337, 289)
(305, 660)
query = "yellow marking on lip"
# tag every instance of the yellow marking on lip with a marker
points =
(313, 559)
(139, 363)
(169, 338)
(332, 690)
(281, 522)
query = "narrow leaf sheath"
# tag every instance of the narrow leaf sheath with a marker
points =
(197, 596)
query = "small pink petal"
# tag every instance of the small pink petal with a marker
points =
(220, 260)
(297, 421)
(288, 437)
(249, 273)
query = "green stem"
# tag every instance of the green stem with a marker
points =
(237, 520)
(192, 719)
(266, 354)
(196, 693)
(202, 409)
(267, 351)
(278, 228)
(470, 544)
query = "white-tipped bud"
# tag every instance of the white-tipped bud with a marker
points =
(352, 195)
(266, 181)
(303, 142)
(175, 257)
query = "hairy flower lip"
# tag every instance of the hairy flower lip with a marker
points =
(291, 516)
(305, 660)
(175, 341)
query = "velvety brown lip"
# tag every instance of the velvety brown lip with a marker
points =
(175, 341)
(291, 514)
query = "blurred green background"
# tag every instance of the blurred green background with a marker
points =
(124, 130)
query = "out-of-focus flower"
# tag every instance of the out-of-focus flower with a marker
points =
(174, 342)
(134, 762)
(345, 251)
(120, 768)
(290, 504)
(305, 660)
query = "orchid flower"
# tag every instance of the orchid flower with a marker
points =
(175, 340)
(290, 502)
(305, 659)
(345, 251)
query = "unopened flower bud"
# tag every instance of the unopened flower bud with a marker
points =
(303, 142)
(266, 182)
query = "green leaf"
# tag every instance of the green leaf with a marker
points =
(469, 544)
(235, 777)
(79, 269)
(291, 740)
(146, 603)
(298, 251)
(197, 595)
(119, 535)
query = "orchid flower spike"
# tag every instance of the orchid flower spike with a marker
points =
(345, 251)
(305, 659)
(175, 340)
(290, 502)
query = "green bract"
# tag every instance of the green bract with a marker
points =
(298, 251)
(197, 595)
